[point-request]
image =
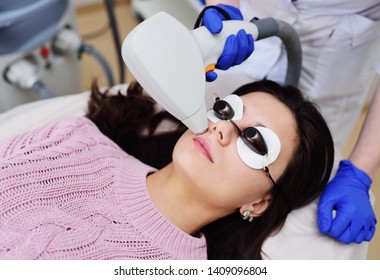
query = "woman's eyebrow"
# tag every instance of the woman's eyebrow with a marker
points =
(256, 124)
(260, 124)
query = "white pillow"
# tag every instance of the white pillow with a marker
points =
(35, 114)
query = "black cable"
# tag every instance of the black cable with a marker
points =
(115, 34)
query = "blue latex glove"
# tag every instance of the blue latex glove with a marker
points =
(237, 47)
(213, 19)
(347, 193)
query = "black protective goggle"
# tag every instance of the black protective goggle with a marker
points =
(250, 135)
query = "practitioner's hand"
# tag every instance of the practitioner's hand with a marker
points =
(348, 194)
(213, 17)
(237, 47)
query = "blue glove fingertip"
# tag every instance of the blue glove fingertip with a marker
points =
(324, 225)
(229, 53)
(233, 12)
(212, 21)
(370, 233)
(345, 237)
(213, 18)
(325, 216)
(360, 236)
(211, 76)
(243, 47)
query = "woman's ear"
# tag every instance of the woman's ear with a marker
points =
(258, 207)
(261, 206)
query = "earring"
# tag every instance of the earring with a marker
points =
(246, 215)
(250, 218)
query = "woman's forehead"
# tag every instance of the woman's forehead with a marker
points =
(259, 96)
(264, 108)
(264, 103)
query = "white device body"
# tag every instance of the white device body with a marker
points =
(169, 62)
(158, 57)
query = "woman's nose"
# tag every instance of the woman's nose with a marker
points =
(224, 131)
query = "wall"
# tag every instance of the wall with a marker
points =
(85, 2)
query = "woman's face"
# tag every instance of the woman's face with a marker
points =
(212, 168)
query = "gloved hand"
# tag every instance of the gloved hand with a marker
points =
(347, 193)
(213, 17)
(237, 47)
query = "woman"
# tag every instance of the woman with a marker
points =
(69, 192)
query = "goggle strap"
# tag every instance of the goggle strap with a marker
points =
(266, 169)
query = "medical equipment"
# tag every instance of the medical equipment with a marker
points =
(186, 11)
(169, 61)
(40, 51)
(29, 67)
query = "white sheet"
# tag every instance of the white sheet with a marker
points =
(32, 115)
(299, 239)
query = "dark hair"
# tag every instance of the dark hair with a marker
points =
(131, 121)
(303, 180)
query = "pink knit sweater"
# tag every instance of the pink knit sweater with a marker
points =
(69, 192)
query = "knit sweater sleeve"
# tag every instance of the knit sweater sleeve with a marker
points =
(20, 144)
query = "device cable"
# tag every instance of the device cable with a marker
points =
(42, 91)
(102, 61)
(116, 38)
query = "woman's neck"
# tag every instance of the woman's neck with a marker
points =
(172, 197)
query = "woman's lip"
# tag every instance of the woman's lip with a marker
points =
(201, 146)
